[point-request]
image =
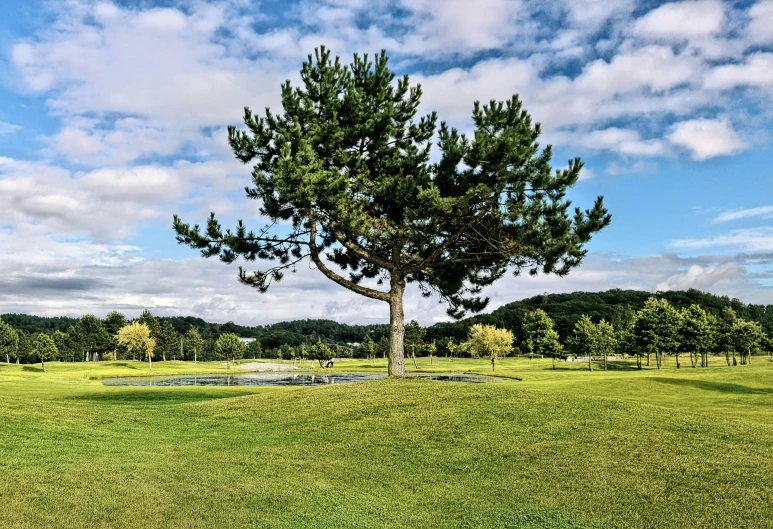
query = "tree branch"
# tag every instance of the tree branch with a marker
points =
(363, 291)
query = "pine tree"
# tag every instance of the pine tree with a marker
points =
(344, 177)
(193, 345)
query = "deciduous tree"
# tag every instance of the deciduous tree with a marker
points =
(487, 340)
(229, 347)
(747, 336)
(9, 341)
(539, 336)
(137, 340)
(696, 334)
(45, 349)
(656, 328)
(193, 344)
(414, 338)
(344, 177)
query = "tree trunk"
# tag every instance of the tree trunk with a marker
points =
(678, 365)
(734, 362)
(605, 361)
(727, 357)
(492, 362)
(749, 356)
(396, 364)
(413, 356)
(648, 359)
(194, 356)
(692, 359)
(43, 364)
(590, 366)
(227, 363)
(706, 359)
(554, 363)
(7, 358)
(430, 359)
(150, 363)
(638, 361)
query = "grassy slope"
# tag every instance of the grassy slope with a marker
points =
(688, 448)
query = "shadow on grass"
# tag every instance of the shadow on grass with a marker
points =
(723, 387)
(33, 369)
(158, 396)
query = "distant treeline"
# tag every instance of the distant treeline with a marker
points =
(565, 309)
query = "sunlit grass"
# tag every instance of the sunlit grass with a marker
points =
(564, 448)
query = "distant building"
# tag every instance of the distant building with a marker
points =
(247, 340)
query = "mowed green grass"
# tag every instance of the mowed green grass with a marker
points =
(566, 448)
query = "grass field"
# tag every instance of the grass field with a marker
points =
(686, 448)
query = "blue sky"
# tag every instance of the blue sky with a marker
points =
(113, 116)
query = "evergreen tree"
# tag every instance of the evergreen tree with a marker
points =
(9, 341)
(148, 319)
(346, 164)
(24, 348)
(45, 349)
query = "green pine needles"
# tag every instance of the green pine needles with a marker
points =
(345, 179)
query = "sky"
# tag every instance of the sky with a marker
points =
(113, 117)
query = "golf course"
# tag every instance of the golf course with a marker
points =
(536, 447)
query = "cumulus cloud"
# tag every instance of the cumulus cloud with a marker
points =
(706, 138)
(682, 20)
(701, 278)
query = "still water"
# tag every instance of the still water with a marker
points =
(276, 379)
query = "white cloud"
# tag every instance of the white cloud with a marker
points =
(8, 128)
(158, 64)
(624, 141)
(756, 70)
(110, 203)
(760, 29)
(765, 212)
(701, 278)
(682, 20)
(706, 138)
(750, 240)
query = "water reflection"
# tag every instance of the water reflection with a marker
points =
(277, 379)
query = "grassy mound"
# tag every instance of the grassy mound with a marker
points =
(566, 448)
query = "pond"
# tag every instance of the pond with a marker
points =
(277, 379)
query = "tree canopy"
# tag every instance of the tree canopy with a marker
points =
(346, 164)
(487, 340)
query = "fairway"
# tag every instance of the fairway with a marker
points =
(565, 448)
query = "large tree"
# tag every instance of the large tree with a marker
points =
(344, 177)
(747, 337)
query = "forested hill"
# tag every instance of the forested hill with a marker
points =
(565, 309)
(613, 305)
